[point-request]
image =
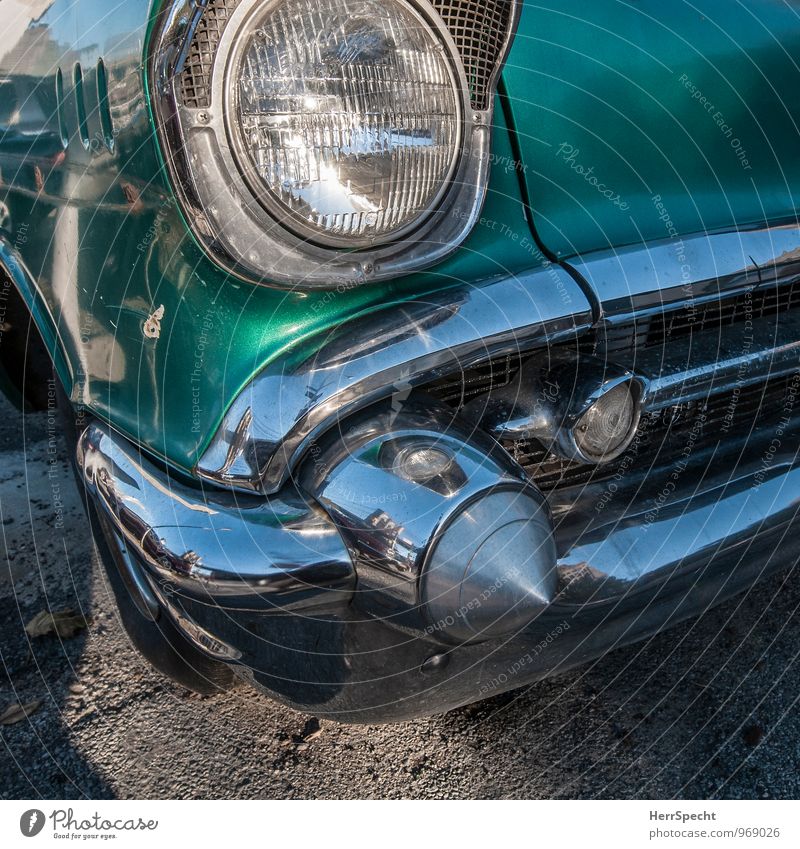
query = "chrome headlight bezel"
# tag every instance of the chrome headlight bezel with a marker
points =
(242, 233)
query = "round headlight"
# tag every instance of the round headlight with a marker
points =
(345, 115)
(607, 428)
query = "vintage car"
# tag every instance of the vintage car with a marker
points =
(409, 351)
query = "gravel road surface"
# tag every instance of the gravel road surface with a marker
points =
(708, 709)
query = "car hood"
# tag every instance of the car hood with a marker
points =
(643, 121)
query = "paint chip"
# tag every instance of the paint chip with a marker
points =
(152, 327)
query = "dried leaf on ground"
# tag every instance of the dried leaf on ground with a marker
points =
(17, 712)
(65, 623)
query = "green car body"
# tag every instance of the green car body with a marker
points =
(616, 126)
(599, 88)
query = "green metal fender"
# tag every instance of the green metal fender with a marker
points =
(618, 127)
(157, 338)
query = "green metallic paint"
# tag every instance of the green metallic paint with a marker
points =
(104, 245)
(621, 84)
(107, 245)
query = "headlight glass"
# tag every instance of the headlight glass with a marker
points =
(346, 115)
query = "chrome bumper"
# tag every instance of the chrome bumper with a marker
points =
(270, 587)
(327, 597)
(237, 554)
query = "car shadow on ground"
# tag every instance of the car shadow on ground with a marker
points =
(706, 709)
(45, 565)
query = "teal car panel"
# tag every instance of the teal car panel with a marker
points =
(639, 121)
(109, 251)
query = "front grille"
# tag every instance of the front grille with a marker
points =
(670, 325)
(664, 436)
(479, 30)
(716, 423)
(459, 388)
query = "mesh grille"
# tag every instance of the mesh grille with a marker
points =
(459, 388)
(196, 75)
(663, 436)
(714, 316)
(479, 30)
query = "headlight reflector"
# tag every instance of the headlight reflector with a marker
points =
(346, 115)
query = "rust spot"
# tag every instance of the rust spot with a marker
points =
(132, 195)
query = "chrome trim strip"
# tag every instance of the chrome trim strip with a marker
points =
(297, 398)
(137, 585)
(617, 540)
(704, 364)
(692, 368)
(243, 554)
(696, 268)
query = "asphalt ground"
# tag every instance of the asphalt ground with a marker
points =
(708, 709)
